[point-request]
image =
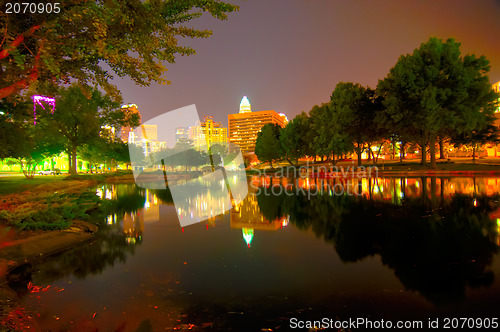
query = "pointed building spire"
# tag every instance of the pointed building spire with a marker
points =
(245, 105)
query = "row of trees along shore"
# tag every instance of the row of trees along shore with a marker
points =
(429, 97)
(86, 43)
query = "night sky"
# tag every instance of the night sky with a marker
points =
(288, 55)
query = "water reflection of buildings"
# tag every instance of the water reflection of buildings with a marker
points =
(248, 217)
(133, 219)
(201, 200)
(389, 189)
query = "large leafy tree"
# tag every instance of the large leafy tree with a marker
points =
(331, 139)
(81, 120)
(434, 91)
(88, 41)
(268, 145)
(354, 110)
(22, 140)
(294, 138)
(319, 137)
(484, 133)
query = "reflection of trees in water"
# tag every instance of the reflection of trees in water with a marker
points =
(435, 249)
(108, 247)
(164, 195)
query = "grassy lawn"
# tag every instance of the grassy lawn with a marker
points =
(17, 184)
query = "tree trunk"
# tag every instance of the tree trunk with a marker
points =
(72, 165)
(423, 148)
(474, 154)
(441, 148)
(359, 151)
(402, 152)
(69, 160)
(432, 148)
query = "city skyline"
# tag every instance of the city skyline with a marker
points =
(291, 65)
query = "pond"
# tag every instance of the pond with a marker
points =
(397, 249)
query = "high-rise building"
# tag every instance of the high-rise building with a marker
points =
(496, 87)
(181, 133)
(146, 136)
(129, 110)
(245, 125)
(150, 132)
(208, 133)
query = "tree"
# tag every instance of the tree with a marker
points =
(354, 112)
(331, 138)
(24, 141)
(268, 146)
(319, 138)
(294, 138)
(434, 91)
(485, 133)
(73, 42)
(81, 119)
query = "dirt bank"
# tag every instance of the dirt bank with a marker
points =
(25, 250)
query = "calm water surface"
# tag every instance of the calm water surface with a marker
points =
(404, 248)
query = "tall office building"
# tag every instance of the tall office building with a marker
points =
(207, 133)
(245, 125)
(146, 136)
(496, 87)
(181, 134)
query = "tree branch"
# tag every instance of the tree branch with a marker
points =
(23, 83)
(16, 42)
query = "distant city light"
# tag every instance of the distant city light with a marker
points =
(37, 100)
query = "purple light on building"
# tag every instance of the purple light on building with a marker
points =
(37, 100)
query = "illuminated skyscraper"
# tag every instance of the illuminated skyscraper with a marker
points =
(207, 133)
(496, 87)
(245, 125)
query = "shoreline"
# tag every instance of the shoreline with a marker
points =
(27, 250)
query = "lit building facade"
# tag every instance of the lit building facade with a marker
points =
(147, 139)
(245, 125)
(496, 87)
(181, 134)
(208, 133)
